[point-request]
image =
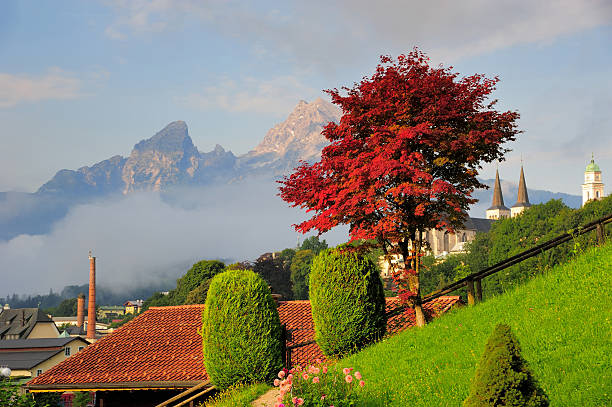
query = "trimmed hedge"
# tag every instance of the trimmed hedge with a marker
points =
(502, 377)
(241, 330)
(348, 302)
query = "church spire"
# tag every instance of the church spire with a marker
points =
(497, 209)
(522, 200)
(498, 198)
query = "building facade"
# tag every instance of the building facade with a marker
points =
(593, 187)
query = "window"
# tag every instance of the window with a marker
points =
(38, 372)
(597, 194)
(81, 348)
(67, 351)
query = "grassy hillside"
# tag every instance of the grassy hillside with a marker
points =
(563, 320)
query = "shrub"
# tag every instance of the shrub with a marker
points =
(241, 330)
(502, 377)
(347, 300)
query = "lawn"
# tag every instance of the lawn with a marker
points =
(562, 321)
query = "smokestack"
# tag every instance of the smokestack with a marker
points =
(91, 308)
(80, 310)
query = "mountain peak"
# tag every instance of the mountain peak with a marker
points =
(301, 132)
(174, 137)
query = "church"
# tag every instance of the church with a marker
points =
(440, 243)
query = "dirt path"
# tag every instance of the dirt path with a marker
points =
(267, 399)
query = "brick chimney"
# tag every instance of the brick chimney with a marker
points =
(91, 308)
(80, 310)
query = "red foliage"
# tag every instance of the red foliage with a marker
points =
(405, 155)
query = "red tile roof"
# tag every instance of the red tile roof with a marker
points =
(297, 317)
(162, 345)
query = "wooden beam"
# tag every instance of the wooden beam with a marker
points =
(479, 290)
(470, 292)
(185, 393)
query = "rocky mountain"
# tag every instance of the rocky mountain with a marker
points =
(169, 159)
(296, 139)
(166, 160)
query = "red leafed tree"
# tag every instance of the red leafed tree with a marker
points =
(403, 159)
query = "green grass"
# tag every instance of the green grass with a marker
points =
(562, 321)
(238, 396)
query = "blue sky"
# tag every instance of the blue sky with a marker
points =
(82, 81)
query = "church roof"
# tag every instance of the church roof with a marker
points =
(498, 198)
(592, 167)
(522, 199)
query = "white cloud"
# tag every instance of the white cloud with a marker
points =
(54, 85)
(251, 95)
(142, 238)
(326, 35)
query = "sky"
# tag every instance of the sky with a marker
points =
(83, 81)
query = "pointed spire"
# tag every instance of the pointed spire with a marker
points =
(498, 198)
(523, 197)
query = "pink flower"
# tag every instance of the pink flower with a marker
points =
(318, 361)
(348, 378)
(294, 400)
(281, 374)
(324, 369)
(347, 370)
(323, 397)
(315, 379)
(316, 370)
(279, 398)
(305, 376)
(300, 401)
(361, 383)
(276, 382)
(357, 375)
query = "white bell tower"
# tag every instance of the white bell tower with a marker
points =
(593, 188)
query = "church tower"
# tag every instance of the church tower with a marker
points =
(522, 201)
(593, 188)
(497, 209)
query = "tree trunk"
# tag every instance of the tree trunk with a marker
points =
(419, 315)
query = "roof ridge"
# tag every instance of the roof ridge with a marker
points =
(177, 306)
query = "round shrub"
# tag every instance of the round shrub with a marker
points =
(347, 300)
(241, 330)
(502, 377)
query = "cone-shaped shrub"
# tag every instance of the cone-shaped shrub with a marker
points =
(502, 377)
(241, 331)
(347, 300)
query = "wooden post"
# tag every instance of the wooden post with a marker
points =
(470, 292)
(601, 234)
(479, 290)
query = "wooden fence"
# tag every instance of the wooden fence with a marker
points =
(473, 282)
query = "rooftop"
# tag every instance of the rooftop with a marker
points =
(162, 348)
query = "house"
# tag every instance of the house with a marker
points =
(159, 353)
(133, 307)
(111, 311)
(26, 323)
(32, 357)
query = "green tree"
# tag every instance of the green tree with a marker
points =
(198, 294)
(347, 301)
(502, 377)
(314, 244)
(300, 273)
(278, 276)
(241, 331)
(195, 276)
(11, 397)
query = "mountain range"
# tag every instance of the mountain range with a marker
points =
(169, 159)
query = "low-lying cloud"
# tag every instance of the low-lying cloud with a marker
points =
(147, 237)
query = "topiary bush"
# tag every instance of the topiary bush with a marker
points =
(241, 330)
(347, 300)
(502, 377)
